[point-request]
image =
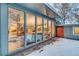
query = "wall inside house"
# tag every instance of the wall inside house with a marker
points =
(69, 32)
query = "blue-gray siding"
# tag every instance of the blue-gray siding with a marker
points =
(68, 32)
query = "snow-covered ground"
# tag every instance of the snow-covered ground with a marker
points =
(63, 47)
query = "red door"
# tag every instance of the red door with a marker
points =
(59, 31)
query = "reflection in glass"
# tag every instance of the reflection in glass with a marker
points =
(15, 29)
(52, 28)
(49, 28)
(45, 34)
(75, 30)
(39, 28)
(30, 28)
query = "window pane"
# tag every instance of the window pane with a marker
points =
(76, 30)
(30, 28)
(15, 29)
(52, 28)
(39, 28)
(49, 28)
(45, 34)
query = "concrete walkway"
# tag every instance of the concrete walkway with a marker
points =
(62, 47)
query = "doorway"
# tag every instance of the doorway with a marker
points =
(59, 31)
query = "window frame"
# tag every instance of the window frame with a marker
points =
(74, 30)
(16, 7)
(26, 27)
(12, 7)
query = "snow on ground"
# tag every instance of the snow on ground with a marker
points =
(63, 47)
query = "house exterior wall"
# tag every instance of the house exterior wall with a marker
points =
(36, 6)
(4, 29)
(0, 29)
(4, 23)
(68, 32)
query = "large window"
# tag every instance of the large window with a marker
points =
(76, 30)
(39, 28)
(49, 28)
(15, 29)
(30, 28)
(45, 34)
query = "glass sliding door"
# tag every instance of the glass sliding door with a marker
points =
(39, 28)
(45, 34)
(30, 28)
(49, 29)
(15, 29)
